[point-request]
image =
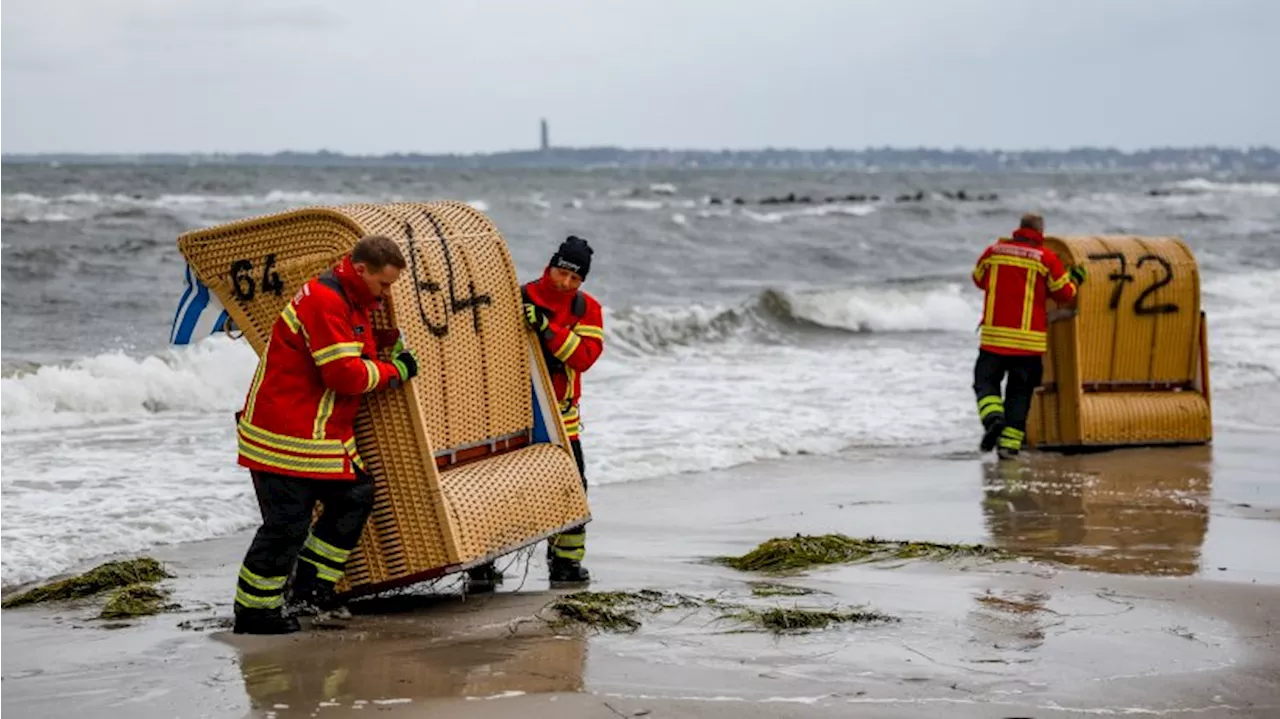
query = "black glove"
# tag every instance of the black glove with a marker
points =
(405, 361)
(1078, 273)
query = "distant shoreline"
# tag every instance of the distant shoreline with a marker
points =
(1262, 159)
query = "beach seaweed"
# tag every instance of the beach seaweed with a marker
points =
(798, 620)
(135, 600)
(112, 575)
(785, 554)
(616, 611)
(770, 589)
(619, 611)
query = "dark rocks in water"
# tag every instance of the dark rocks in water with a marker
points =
(1158, 192)
(804, 200)
(874, 198)
(739, 201)
(716, 201)
(770, 201)
(962, 196)
(855, 198)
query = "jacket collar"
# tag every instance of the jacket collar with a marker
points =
(1029, 236)
(354, 287)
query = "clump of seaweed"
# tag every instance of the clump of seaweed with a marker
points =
(112, 575)
(798, 620)
(784, 554)
(619, 611)
(616, 611)
(771, 589)
(135, 600)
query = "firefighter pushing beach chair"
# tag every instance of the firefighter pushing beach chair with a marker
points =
(470, 459)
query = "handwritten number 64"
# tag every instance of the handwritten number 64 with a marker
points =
(243, 285)
(1121, 276)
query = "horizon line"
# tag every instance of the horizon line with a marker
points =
(619, 148)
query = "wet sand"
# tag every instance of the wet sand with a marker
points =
(1152, 587)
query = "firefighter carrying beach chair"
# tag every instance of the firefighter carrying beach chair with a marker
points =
(470, 459)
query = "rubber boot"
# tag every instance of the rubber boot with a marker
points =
(264, 621)
(319, 600)
(993, 425)
(483, 579)
(568, 571)
(1010, 443)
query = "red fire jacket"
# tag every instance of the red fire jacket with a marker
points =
(299, 416)
(1017, 274)
(572, 342)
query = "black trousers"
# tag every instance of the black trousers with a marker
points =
(286, 536)
(571, 544)
(1024, 373)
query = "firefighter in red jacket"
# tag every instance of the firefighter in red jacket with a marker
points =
(297, 438)
(570, 325)
(1017, 274)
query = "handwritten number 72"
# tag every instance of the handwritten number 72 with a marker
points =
(1121, 276)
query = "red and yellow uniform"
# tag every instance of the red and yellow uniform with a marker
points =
(572, 342)
(1017, 275)
(299, 416)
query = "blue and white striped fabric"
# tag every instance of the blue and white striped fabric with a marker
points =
(199, 314)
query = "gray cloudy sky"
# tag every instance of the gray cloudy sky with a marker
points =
(454, 76)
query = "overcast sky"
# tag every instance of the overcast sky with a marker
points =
(455, 76)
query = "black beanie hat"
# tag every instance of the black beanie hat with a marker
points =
(574, 255)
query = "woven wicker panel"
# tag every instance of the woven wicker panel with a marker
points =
(233, 260)
(1139, 316)
(497, 502)
(458, 306)
(1043, 424)
(1128, 418)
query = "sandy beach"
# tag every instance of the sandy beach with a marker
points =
(1148, 587)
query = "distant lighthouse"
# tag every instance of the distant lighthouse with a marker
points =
(546, 136)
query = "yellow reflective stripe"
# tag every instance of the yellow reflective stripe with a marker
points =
(1006, 261)
(323, 412)
(329, 574)
(326, 550)
(1011, 438)
(325, 355)
(566, 350)
(590, 331)
(1063, 281)
(1028, 297)
(980, 270)
(321, 465)
(570, 541)
(1014, 343)
(292, 444)
(257, 581)
(1013, 333)
(571, 376)
(991, 295)
(290, 317)
(246, 599)
(374, 375)
(253, 386)
(989, 405)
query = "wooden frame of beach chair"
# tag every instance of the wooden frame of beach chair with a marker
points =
(1129, 365)
(470, 459)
